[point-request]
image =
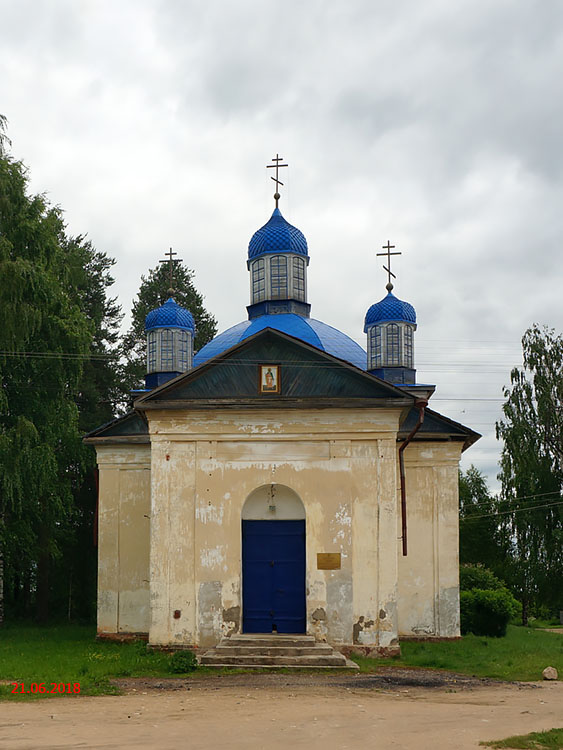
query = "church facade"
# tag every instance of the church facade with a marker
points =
(281, 479)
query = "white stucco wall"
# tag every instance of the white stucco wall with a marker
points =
(170, 513)
(123, 538)
(429, 574)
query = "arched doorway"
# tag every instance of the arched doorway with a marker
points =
(273, 561)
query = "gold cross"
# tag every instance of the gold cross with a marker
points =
(277, 167)
(170, 260)
(390, 273)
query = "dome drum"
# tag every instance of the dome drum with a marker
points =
(278, 277)
(169, 350)
(391, 351)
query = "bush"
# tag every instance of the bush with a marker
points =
(487, 612)
(182, 661)
(478, 577)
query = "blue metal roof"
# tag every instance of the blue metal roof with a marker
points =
(277, 236)
(313, 332)
(390, 308)
(170, 315)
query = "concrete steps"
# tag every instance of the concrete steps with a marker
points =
(272, 651)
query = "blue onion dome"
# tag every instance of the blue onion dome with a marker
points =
(390, 308)
(170, 315)
(277, 236)
(311, 331)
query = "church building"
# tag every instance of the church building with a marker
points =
(282, 479)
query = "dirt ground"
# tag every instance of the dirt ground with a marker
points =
(396, 709)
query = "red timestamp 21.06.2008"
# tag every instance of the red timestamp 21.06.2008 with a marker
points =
(46, 687)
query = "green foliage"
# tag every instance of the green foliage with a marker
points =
(532, 473)
(57, 354)
(182, 661)
(521, 655)
(478, 577)
(153, 292)
(487, 612)
(479, 538)
(43, 339)
(549, 740)
(487, 606)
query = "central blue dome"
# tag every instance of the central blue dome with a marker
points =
(170, 315)
(277, 236)
(321, 335)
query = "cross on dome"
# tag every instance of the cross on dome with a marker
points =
(389, 247)
(277, 166)
(170, 260)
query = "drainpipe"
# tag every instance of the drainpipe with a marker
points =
(420, 405)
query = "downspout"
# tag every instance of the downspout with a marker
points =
(420, 405)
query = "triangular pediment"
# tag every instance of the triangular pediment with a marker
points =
(305, 376)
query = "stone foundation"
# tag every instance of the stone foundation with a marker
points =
(122, 637)
(372, 652)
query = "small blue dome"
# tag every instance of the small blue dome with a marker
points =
(390, 309)
(277, 236)
(314, 332)
(170, 315)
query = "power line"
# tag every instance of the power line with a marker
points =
(226, 360)
(514, 499)
(516, 510)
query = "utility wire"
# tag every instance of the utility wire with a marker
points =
(516, 510)
(515, 499)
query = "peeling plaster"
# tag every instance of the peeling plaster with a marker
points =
(212, 558)
(448, 609)
(209, 513)
(231, 621)
(339, 596)
(210, 612)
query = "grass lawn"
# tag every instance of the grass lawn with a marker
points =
(522, 655)
(69, 654)
(552, 740)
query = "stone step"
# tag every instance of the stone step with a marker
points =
(273, 651)
(333, 660)
(235, 650)
(256, 639)
(349, 666)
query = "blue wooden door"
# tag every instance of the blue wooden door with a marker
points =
(273, 576)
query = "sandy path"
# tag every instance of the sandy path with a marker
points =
(289, 716)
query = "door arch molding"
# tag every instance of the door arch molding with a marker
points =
(273, 502)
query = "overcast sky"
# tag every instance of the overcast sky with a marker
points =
(436, 125)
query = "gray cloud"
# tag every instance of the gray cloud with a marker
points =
(435, 125)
